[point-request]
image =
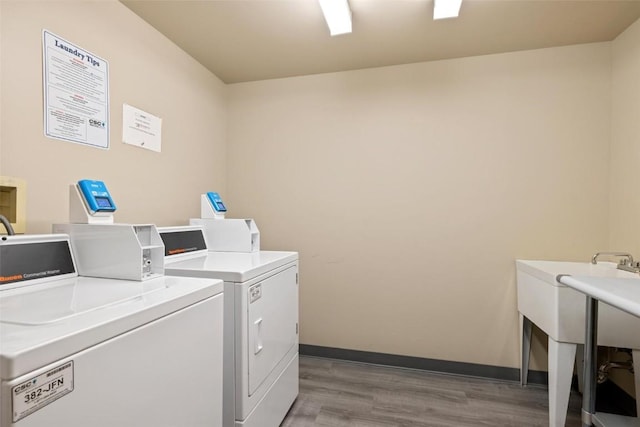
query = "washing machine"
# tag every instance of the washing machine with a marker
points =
(82, 351)
(260, 323)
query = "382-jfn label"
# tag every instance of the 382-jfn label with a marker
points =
(37, 392)
(40, 391)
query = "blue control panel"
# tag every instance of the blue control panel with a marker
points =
(96, 195)
(216, 202)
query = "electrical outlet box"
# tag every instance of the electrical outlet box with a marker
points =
(13, 202)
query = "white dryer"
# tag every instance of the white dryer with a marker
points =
(80, 351)
(261, 323)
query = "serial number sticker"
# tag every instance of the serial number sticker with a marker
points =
(37, 392)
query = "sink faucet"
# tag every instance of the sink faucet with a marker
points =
(594, 259)
(625, 264)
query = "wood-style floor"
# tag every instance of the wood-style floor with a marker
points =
(346, 394)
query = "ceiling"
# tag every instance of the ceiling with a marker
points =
(247, 40)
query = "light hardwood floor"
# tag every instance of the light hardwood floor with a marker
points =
(346, 394)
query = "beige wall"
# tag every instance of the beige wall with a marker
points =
(410, 191)
(146, 71)
(625, 153)
(625, 145)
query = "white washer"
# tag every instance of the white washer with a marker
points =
(79, 351)
(261, 324)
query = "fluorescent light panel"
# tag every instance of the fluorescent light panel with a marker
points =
(446, 8)
(338, 16)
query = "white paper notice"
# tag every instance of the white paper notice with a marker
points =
(141, 129)
(76, 93)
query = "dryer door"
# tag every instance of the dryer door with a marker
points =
(272, 321)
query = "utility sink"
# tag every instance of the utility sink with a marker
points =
(560, 312)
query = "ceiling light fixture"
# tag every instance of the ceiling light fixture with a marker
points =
(338, 16)
(446, 9)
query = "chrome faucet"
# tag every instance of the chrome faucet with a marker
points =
(625, 264)
(594, 259)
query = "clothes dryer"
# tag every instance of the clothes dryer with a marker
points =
(261, 323)
(79, 351)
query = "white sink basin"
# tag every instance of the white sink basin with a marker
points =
(560, 312)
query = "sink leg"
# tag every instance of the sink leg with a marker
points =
(561, 359)
(525, 348)
(580, 366)
(636, 368)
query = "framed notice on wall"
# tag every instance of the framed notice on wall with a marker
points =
(76, 93)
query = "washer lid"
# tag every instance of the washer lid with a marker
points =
(230, 266)
(42, 323)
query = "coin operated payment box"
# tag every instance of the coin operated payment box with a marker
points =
(225, 234)
(104, 248)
